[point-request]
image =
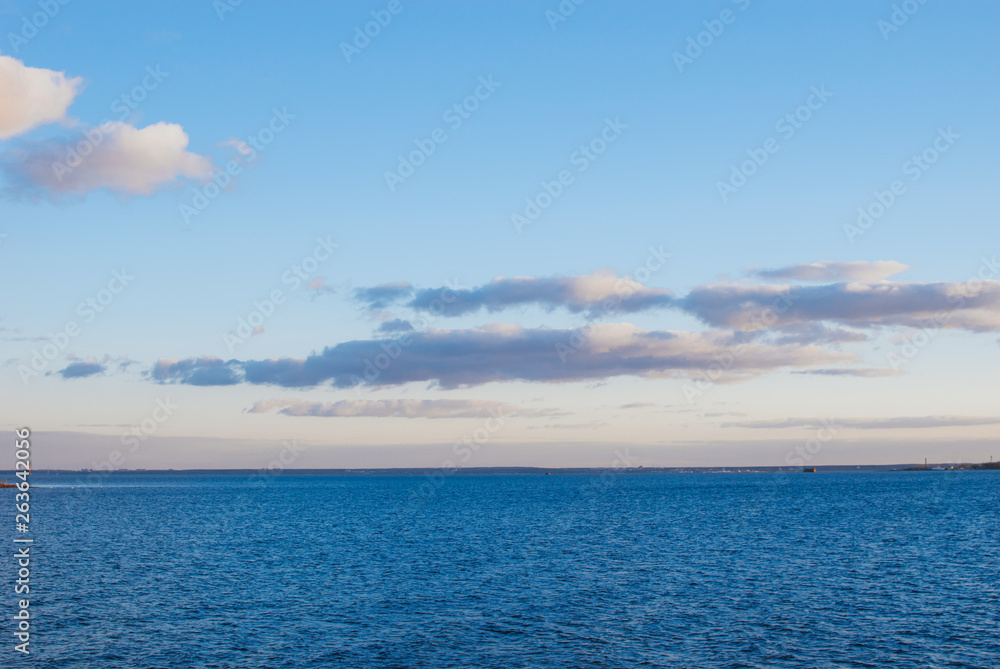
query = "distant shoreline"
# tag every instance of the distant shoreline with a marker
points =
(411, 471)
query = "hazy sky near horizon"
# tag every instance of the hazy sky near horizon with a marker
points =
(405, 233)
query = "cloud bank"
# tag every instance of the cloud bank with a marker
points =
(796, 310)
(755, 329)
(971, 306)
(456, 358)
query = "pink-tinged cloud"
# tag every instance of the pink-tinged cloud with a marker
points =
(796, 312)
(600, 291)
(973, 305)
(32, 96)
(505, 352)
(115, 156)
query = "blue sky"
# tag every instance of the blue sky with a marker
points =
(555, 86)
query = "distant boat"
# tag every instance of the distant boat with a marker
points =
(809, 470)
(4, 484)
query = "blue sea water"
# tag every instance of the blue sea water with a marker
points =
(888, 569)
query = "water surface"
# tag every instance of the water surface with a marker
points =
(571, 570)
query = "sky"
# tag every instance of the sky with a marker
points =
(406, 234)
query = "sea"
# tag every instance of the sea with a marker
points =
(587, 569)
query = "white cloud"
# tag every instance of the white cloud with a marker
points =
(116, 156)
(32, 96)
